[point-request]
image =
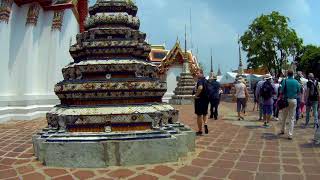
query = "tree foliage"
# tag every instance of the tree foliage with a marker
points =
(269, 42)
(309, 61)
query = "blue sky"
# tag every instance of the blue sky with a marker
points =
(216, 23)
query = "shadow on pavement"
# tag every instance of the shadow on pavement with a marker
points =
(269, 136)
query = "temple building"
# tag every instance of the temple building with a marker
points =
(170, 63)
(35, 38)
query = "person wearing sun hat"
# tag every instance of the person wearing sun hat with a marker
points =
(241, 95)
(267, 91)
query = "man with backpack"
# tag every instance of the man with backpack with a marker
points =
(267, 91)
(201, 102)
(214, 96)
(312, 99)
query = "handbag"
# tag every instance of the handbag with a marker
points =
(283, 101)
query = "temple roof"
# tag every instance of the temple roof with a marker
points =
(168, 58)
(50, 4)
(158, 53)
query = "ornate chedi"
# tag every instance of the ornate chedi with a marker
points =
(111, 111)
(240, 74)
(185, 87)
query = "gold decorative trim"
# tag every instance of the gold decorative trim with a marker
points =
(33, 14)
(57, 20)
(5, 10)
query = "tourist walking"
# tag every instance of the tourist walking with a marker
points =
(214, 96)
(290, 89)
(266, 93)
(312, 100)
(276, 86)
(259, 98)
(255, 100)
(201, 102)
(241, 95)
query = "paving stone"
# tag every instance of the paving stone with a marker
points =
(7, 161)
(103, 171)
(25, 169)
(7, 173)
(267, 176)
(312, 177)
(311, 170)
(208, 178)
(270, 160)
(162, 170)
(56, 172)
(249, 158)
(81, 174)
(144, 177)
(208, 155)
(201, 162)
(292, 177)
(247, 166)
(121, 173)
(310, 161)
(291, 169)
(252, 152)
(229, 156)
(290, 161)
(3, 167)
(292, 155)
(66, 177)
(269, 167)
(229, 145)
(33, 176)
(192, 171)
(215, 148)
(224, 164)
(217, 172)
(103, 178)
(236, 174)
(270, 153)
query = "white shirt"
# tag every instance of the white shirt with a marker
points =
(240, 90)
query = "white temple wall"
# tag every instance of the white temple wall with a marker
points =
(31, 61)
(172, 74)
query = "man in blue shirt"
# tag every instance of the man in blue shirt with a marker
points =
(290, 89)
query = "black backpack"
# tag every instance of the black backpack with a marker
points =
(266, 90)
(313, 91)
(213, 89)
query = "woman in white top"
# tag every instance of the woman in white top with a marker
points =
(241, 94)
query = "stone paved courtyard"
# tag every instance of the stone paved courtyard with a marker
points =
(232, 150)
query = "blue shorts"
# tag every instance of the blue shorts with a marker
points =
(267, 109)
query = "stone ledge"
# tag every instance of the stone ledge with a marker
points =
(115, 152)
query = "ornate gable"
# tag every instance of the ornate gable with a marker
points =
(176, 56)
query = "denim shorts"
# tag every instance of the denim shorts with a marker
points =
(241, 104)
(267, 109)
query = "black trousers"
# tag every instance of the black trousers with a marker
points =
(214, 105)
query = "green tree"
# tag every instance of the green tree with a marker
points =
(270, 43)
(309, 61)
